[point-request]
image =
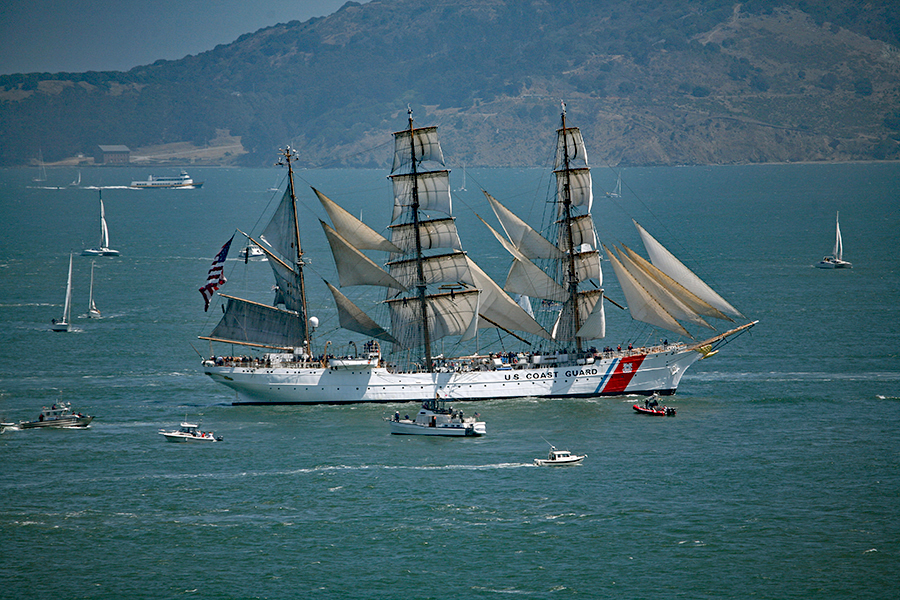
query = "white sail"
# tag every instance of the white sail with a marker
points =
(587, 266)
(570, 149)
(659, 292)
(67, 308)
(591, 315)
(525, 277)
(432, 191)
(580, 189)
(689, 299)
(582, 233)
(671, 266)
(442, 268)
(425, 146)
(92, 307)
(246, 322)
(838, 244)
(104, 230)
(354, 267)
(352, 318)
(643, 306)
(451, 313)
(527, 241)
(352, 229)
(433, 233)
(499, 309)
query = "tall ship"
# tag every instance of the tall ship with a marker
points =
(434, 292)
(182, 180)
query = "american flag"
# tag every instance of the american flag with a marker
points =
(215, 278)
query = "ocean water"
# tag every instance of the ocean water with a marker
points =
(778, 478)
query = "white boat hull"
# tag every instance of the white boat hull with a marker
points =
(179, 437)
(637, 373)
(405, 427)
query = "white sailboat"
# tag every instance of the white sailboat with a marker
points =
(435, 291)
(77, 181)
(64, 323)
(93, 313)
(617, 192)
(103, 249)
(836, 259)
(42, 169)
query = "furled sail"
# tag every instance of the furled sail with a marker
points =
(352, 318)
(246, 322)
(671, 266)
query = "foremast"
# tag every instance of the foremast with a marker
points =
(250, 323)
(288, 156)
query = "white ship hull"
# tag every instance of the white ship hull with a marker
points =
(634, 373)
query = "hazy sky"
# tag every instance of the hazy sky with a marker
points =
(116, 35)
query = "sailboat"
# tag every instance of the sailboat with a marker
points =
(63, 324)
(617, 192)
(836, 259)
(434, 291)
(93, 313)
(42, 169)
(103, 249)
(77, 181)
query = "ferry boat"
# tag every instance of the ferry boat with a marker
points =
(435, 290)
(178, 181)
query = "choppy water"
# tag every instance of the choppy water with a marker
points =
(779, 477)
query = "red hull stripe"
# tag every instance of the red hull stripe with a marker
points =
(625, 371)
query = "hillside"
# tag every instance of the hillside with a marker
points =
(649, 83)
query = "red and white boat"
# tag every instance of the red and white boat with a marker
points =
(435, 290)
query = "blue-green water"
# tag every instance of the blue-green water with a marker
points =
(779, 478)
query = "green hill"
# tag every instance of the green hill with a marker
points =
(649, 83)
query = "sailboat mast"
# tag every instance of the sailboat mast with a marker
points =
(289, 156)
(567, 206)
(420, 272)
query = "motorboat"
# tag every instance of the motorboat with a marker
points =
(252, 251)
(182, 180)
(58, 416)
(651, 407)
(434, 419)
(190, 432)
(559, 458)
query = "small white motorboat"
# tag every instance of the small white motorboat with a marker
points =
(252, 252)
(190, 432)
(559, 458)
(59, 416)
(434, 419)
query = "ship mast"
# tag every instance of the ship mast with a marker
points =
(567, 206)
(289, 157)
(420, 273)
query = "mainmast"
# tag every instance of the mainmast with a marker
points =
(289, 157)
(420, 272)
(567, 207)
